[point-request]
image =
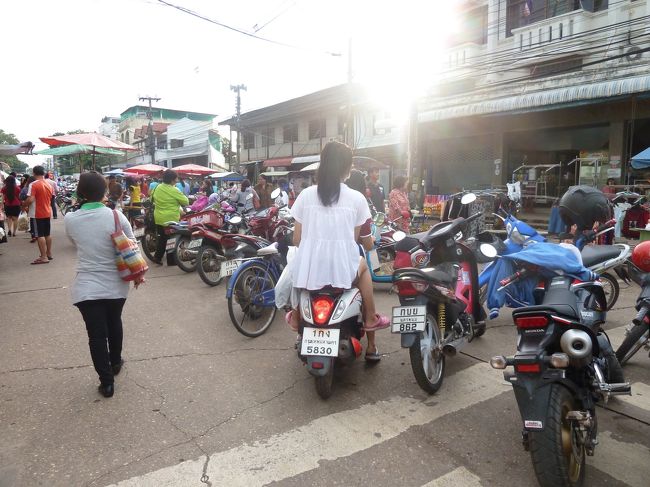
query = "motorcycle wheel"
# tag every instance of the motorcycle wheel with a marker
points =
(149, 243)
(249, 319)
(324, 384)
(557, 455)
(636, 338)
(184, 263)
(209, 265)
(427, 359)
(611, 288)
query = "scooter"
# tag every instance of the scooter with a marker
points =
(436, 278)
(331, 330)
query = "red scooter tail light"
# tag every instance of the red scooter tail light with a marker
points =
(323, 307)
(410, 288)
(527, 322)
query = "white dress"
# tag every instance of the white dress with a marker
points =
(328, 254)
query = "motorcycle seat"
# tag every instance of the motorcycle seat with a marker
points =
(427, 274)
(595, 254)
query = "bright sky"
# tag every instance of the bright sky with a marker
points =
(68, 63)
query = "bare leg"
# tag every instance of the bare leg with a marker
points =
(48, 245)
(372, 347)
(42, 247)
(364, 284)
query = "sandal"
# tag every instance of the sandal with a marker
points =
(380, 323)
(49, 257)
(40, 261)
(373, 356)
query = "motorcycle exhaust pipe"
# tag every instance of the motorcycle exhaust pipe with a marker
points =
(452, 348)
(577, 345)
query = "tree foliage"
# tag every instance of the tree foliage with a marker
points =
(14, 163)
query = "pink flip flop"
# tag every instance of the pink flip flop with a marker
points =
(39, 261)
(380, 323)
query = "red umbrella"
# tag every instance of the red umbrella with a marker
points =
(144, 169)
(94, 139)
(193, 170)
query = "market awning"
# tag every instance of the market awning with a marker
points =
(539, 100)
(641, 160)
(278, 162)
(306, 159)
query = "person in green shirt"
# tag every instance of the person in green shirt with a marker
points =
(167, 200)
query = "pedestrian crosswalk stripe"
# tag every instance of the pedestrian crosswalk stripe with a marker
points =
(640, 396)
(331, 437)
(459, 477)
(626, 462)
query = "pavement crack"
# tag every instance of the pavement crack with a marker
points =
(32, 369)
(4, 293)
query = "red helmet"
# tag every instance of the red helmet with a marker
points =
(641, 256)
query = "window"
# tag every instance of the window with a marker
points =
(269, 136)
(126, 139)
(249, 140)
(341, 125)
(557, 66)
(520, 13)
(290, 133)
(176, 143)
(317, 129)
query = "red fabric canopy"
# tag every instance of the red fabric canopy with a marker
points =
(94, 139)
(278, 162)
(144, 169)
(193, 170)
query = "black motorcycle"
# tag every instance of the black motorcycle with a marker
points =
(637, 334)
(563, 367)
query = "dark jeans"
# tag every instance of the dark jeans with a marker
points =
(53, 204)
(103, 318)
(161, 242)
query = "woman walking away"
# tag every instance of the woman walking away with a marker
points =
(399, 209)
(98, 291)
(328, 218)
(10, 195)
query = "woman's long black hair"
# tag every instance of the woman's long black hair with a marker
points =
(335, 164)
(10, 185)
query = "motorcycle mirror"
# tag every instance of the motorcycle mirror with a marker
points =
(275, 193)
(379, 219)
(488, 250)
(235, 220)
(399, 235)
(468, 198)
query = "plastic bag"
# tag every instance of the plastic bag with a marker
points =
(284, 287)
(23, 222)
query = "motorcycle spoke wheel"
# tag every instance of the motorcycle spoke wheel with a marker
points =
(183, 260)
(149, 243)
(248, 314)
(427, 359)
(637, 337)
(209, 266)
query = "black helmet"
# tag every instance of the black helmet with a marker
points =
(584, 205)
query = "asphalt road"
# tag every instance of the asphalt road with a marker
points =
(196, 399)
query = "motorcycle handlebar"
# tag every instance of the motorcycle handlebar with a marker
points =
(641, 315)
(513, 278)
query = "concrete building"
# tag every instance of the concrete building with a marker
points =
(291, 134)
(133, 129)
(561, 87)
(109, 127)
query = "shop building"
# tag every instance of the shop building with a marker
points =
(546, 92)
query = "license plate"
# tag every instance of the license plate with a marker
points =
(195, 243)
(171, 244)
(138, 232)
(228, 267)
(408, 319)
(320, 342)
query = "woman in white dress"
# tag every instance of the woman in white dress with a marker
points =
(328, 219)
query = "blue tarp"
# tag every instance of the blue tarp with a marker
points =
(641, 160)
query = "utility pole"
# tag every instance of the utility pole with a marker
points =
(237, 89)
(150, 137)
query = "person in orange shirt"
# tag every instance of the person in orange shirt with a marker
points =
(40, 192)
